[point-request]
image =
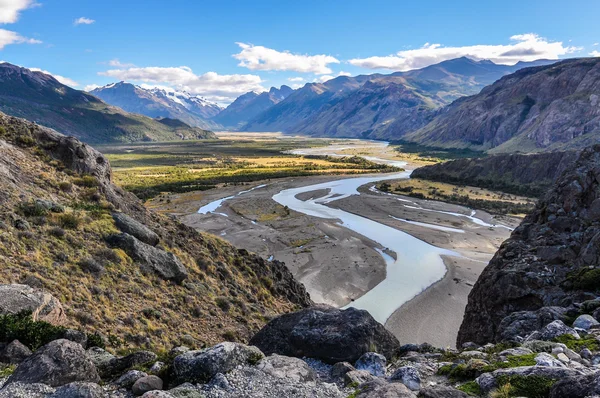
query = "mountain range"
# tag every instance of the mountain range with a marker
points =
(41, 98)
(158, 103)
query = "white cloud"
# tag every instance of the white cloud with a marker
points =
(118, 64)
(595, 53)
(215, 87)
(342, 73)
(10, 9)
(64, 80)
(526, 47)
(595, 44)
(295, 79)
(324, 78)
(296, 86)
(263, 58)
(83, 21)
(9, 37)
(91, 87)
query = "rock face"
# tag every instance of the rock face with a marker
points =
(55, 364)
(165, 264)
(135, 228)
(43, 306)
(327, 333)
(549, 260)
(546, 107)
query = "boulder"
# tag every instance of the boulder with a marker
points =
(128, 378)
(385, 390)
(544, 359)
(373, 363)
(326, 333)
(339, 369)
(442, 392)
(79, 390)
(515, 351)
(43, 306)
(26, 390)
(166, 394)
(150, 258)
(288, 368)
(110, 365)
(145, 384)
(57, 363)
(156, 367)
(14, 353)
(135, 228)
(555, 329)
(577, 387)
(409, 376)
(487, 381)
(522, 323)
(202, 365)
(76, 336)
(357, 377)
(585, 322)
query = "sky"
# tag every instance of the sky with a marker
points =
(222, 49)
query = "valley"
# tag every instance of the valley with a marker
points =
(352, 245)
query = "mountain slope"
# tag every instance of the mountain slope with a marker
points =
(379, 106)
(66, 229)
(249, 105)
(159, 103)
(41, 98)
(534, 109)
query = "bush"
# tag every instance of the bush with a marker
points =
(471, 388)
(22, 327)
(69, 221)
(530, 386)
(87, 181)
(95, 340)
(65, 186)
(223, 303)
(92, 266)
(33, 209)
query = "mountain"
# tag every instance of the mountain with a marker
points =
(159, 103)
(249, 105)
(41, 98)
(379, 106)
(116, 266)
(548, 269)
(534, 109)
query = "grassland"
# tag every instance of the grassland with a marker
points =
(148, 169)
(479, 198)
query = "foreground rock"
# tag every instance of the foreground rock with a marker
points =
(55, 364)
(326, 333)
(43, 306)
(135, 228)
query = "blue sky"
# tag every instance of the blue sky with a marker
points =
(193, 45)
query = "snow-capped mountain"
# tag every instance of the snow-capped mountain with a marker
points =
(159, 102)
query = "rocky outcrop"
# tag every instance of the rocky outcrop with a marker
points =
(150, 258)
(541, 108)
(136, 229)
(327, 333)
(551, 259)
(529, 175)
(42, 305)
(55, 364)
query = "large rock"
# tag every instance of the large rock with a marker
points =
(145, 384)
(26, 390)
(555, 329)
(165, 264)
(202, 365)
(110, 365)
(546, 261)
(326, 333)
(135, 228)
(373, 363)
(378, 389)
(585, 322)
(14, 353)
(488, 381)
(442, 392)
(55, 364)
(522, 323)
(409, 376)
(43, 306)
(79, 390)
(287, 368)
(577, 387)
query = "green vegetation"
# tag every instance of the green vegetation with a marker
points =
(471, 388)
(7, 370)
(436, 153)
(463, 372)
(577, 345)
(526, 386)
(585, 279)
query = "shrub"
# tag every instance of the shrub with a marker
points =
(33, 209)
(223, 303)
(87, 181)
(522, 386)
(57, 232)
(577, 345)
(69, 221)
(65, 186)
(471, 388)
(22, 327)
(95, 340)
(92, 266)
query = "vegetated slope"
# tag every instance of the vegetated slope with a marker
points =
(160, 103)
(61, 230)
(535, 109)
(378, 106)
(551, 259)
(246, 107)
(530, 175)
(40, 97)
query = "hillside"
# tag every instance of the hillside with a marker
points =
(40, 97)
(379, 106)
(530, 175)
(160, 103)
(246, 107)
(535, 109)
(112, 266)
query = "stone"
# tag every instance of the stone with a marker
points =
(577, 387)
(287, 368)
(339, 369)
(110, 365)
(545, 359)
(563, 358)
(79, 390)
(145, 384)
(487, 381)
(135, 228)
(326, 333)
(585, 322)
(522, 323)
(385, 390)
(441, 392)
(156, 368)
(14, 353)
(201, 366)
(127, 379)
(76, 336)
(586, 353)
(555, 329)
(166, 394)
(26, 390)
(150, 258)
(542, 346)
(55, 364)
(357, 377)
(473, 354)
(43, 306)
(178, 351)
(373, 363)
(515, 351)
(409, 376)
